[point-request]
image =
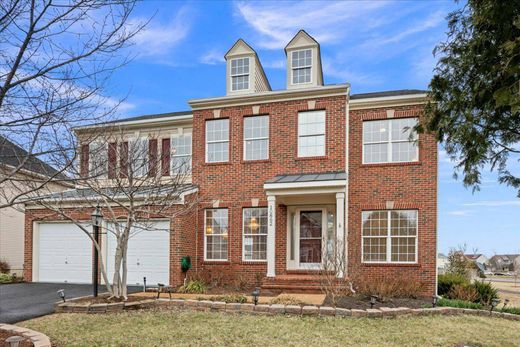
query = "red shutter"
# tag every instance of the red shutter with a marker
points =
(123, 160)
(84, 161)
(112, 159)
(152, 157)
(165, 157)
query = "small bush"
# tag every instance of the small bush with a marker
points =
(485, 292)
(398, 287)
(285, 299)
(5, 278)
(227, 298)
(512, 310)
(447, 281)
(459, 304)
(463, 292)
(195, 286)
(4, 267)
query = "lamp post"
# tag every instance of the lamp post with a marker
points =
(97, 218)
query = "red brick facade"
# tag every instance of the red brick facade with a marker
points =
(234, 184)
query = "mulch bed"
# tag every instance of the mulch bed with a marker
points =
(4, 335)
(362, 303)
(105, 300)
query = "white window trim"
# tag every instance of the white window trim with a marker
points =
(313, 135)
(180, 155)
(206, 237)
(238, 75)
(218, 141)
(388, 238)
(257, 138)
(243, 238)
(301, 67)
(389, 142)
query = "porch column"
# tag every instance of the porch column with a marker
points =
(271, 235)
(340, 232)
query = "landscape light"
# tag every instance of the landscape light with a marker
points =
(435, 298)
(61, 294)
(494, 303)
(255, 294)
(506, 301)
(14, 341)
(373, 299)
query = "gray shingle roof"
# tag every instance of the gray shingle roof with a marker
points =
(13, 155)
(310, 177)
(387, 93)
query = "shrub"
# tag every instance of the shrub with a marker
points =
(398, 287)
(459, 304)
(195, 286)
(5, 278)
(285, 299)
(463, 292)
(458, 264)
(4, 267)
(447, 281)
(513, 310)
(485, 292)
(227, 298)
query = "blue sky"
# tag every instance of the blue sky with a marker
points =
(374, 46)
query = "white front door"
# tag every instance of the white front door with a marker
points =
(148, 254)
(64, 253)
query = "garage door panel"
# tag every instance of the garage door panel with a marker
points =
(148, 254)
(65, 254)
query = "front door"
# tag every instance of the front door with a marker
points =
(310, 238)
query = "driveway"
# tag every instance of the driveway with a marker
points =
(22, 301)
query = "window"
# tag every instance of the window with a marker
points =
(181, 154)
(98, 159)
(216, 234)
(254, 241)
(256, 138)
(389, 141)
(139, 156)
(217, 140)
(311, 134)
(389, 236)
(301, 66)
(240, 74)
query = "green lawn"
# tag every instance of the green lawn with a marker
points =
(191, 328)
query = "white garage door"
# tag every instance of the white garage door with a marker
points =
(148, 254)
(65, 254)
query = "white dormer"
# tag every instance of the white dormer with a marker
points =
(244, 73)
(303, 62)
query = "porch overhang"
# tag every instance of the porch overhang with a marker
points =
(305, 184)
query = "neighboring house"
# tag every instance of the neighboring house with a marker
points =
(442, 263)
(285, 178)
(480, 259)
(505, 262)
(12, 218)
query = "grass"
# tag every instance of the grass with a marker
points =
(460, 304)
(192, 328)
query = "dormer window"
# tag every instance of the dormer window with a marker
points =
(240, 74)
(301, 66)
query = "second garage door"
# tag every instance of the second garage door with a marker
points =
(148, 255)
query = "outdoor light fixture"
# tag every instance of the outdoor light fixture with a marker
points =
(435, 298)
(494, 303)
(373, 299)
(61, 294)
(14, 341)
(96, 216)
(506, 301)
(97, 219)
(255, 294)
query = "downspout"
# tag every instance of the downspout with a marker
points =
(346, 223)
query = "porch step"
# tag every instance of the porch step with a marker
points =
(294, 283)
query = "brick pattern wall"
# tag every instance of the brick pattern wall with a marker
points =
(408, 185)
(236, 182)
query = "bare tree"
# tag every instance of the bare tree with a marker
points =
(133, 185)
(332, 277)
(56, 58)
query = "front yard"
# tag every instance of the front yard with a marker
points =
(173, 327)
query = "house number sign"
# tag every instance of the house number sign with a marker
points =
(271, 216)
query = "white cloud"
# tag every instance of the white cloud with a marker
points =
(158, 39)
(213, 57)
(495, 203)
(460, 213)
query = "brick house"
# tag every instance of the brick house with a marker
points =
(287, 179)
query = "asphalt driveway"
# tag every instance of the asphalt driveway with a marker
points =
(22, 301)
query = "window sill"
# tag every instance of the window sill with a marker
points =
(391, 264)
(216, 262)
(408, 163)
(321, 157)
(259, 161)
(253, 262)
(218, 163)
